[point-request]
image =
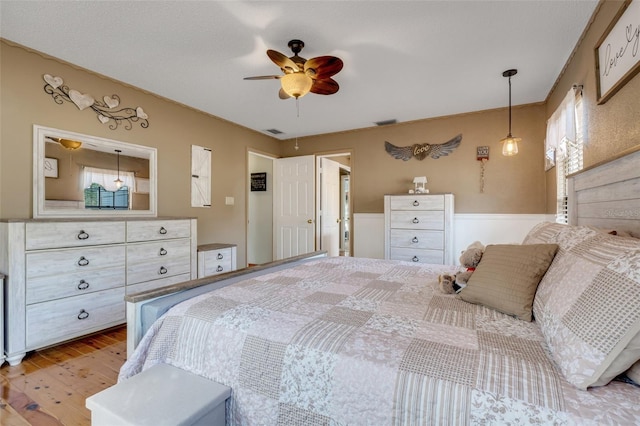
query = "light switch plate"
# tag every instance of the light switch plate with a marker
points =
(229, 201)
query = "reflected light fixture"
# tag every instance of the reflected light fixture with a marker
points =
(118, 182)
(69, 144)
(510, 144)
(296, 84)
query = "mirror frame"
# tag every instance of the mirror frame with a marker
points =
(98, 144)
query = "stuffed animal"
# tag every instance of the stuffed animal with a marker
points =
(469, 259)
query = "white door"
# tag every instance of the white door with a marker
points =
(330, 206)
(294, 207)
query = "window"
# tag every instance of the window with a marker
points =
(101, 192)
(565, 136)
(96, 197)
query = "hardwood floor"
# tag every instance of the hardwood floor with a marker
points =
(50, 386)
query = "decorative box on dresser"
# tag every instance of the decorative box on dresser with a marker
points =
(68, 277)
(216, 258)
(419, 228)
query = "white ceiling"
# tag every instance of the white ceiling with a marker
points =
(404, 60)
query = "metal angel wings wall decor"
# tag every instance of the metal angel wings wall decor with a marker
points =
(421, 151)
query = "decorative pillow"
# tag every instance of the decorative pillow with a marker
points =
(507, 277)
(588, 303)
(634, 373)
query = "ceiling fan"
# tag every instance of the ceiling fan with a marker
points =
(302, 76)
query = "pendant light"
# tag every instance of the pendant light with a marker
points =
(118, 182)
(510, 144)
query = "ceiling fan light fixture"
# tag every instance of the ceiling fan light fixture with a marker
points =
(296, 84)
(70, 144)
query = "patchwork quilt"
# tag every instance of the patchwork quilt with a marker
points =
(351, 341)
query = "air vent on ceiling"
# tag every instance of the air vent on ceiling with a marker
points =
(386, 122)
(274, 131)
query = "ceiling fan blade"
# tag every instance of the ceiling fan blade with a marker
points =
(286, 64)
(282, 94)
(325, 87)
(322, 67)
(263, 77)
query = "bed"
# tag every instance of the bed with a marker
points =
(364, 341)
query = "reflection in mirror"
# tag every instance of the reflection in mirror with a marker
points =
(78, 175)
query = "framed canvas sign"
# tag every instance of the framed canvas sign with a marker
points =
(617, 51)
(50, 167)
(259, 181)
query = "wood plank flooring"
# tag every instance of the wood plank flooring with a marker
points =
(50, 386)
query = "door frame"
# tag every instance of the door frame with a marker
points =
(328, 154)
(267, 155)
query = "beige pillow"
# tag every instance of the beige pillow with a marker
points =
(634, 372)
(507, 277)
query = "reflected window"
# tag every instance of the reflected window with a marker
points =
(96, 197)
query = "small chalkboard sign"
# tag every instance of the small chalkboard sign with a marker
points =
(259, 181)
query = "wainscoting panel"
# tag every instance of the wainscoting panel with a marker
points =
(368, 231)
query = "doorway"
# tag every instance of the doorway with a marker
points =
(333, 199)
(259, 208)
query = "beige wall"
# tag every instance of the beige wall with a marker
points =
(612, 127)
(512, 184)
(172, 129)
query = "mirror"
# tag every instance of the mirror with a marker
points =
(76, 175)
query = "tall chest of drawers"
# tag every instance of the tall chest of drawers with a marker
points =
(419, 228)
(68, 278)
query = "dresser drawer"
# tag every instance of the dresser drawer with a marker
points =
(412, 202)
(417, 220)
(58, 320)
(44, 235)
(51, 287)
(147, 230)
(52, 264)
(145, 261)
(419, 239)
(417, 255)
(158, 250)
(159, 283)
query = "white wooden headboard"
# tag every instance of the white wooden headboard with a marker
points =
(607, 195)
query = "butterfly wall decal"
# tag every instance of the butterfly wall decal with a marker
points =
(422, 151)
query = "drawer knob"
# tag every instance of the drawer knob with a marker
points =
(220, 256)
(415, 259)
(83, 285)
(416, 203)
(83, 314)
(219, 269)
(163, 252)
(162, 270)
(163, 230)
(414, 240)
(83, 235)
(415, 220)
(83, 261)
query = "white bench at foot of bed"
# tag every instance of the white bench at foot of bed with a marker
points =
(160, 395)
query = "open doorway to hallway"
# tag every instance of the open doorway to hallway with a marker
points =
(333, 204)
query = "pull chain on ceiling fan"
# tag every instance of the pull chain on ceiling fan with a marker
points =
(301, 76)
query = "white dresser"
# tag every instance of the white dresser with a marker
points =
(216, 258)
(419, 228)
(68, 278)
